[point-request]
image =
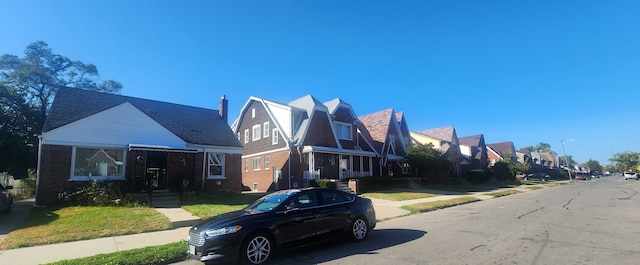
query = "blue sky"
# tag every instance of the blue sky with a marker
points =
(520, 71)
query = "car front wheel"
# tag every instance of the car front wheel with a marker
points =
(359, 229)
(257, 249)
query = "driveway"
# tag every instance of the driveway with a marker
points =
(11, 221)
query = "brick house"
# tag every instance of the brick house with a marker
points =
(390, 135)
(139, 144)
(497, 152)
(474, 152)
(446, 140)
(288, 145)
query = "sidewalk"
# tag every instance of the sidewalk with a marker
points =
(182, 221)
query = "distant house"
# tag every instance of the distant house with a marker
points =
(446, 140)
(289, 145)
(474, 151)
(497, 152)
(389, 136)
(140, 144)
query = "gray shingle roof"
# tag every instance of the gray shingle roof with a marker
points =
(194, 125)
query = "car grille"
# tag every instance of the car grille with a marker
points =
(195, 239)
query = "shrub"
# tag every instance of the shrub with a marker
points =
(98, 193)
(477, 176)
(371, 184)
(323, 183)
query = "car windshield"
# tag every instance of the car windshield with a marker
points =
(270, 201)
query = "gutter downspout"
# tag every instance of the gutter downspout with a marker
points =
(35, 203)
(204, 160)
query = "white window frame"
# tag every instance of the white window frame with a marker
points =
(274, 137)
(246, 165)
(216, 160)
(256, 163)
(344, 131)
(266, 162)
(77, 176)
(256, 134)
(246, 136)
(265, 129)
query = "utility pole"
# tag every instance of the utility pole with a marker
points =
(565, 157)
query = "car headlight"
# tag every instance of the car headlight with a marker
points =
(224, 230)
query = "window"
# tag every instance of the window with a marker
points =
(406, 169)
(256, 163)
(274, 136)
(253, 113)
(246, 136)
(256, 132)
(216, 165)
(266, 162)
(392, 141)
(265, 129)
(246, 165)
(98, 163)
(343, 131)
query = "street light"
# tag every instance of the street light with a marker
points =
(566, 163)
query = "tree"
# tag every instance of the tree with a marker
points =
(541, 147)
(28, 86)
(569, 159)
(626, 161)
(424, 158)
(594, 166)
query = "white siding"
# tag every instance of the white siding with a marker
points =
(283, 117)
(115, 127)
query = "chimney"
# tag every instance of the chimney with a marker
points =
(224, 103)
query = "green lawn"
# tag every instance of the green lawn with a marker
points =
(208, 205)
(163, 254)
(55, 225)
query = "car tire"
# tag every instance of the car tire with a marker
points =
(359, 229)
(258, 248)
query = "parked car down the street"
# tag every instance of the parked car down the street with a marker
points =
(293, 217)
(580, 176)
(630, 175)
(6, 199)
(537, 176)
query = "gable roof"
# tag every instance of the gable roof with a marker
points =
(473, 140)
(501, 148)
(192, 124)
(377, 124)
(445, 133)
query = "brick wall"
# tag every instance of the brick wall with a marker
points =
(55, 170)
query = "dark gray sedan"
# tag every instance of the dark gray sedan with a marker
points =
(292, 217)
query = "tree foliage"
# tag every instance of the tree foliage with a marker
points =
(27, 88)
(594, 166)
(626, 161)
(424, 158)
(541, 147)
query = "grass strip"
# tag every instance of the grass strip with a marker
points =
(502, 193)
(396, 195)
(162, 254)
(432, 206)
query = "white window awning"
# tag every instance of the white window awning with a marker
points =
(159, 148)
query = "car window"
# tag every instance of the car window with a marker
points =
(331, 197)
(303, 200)
(268, 202)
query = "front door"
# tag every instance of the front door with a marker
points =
(156, 176)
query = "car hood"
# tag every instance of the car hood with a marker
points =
(240, 217)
